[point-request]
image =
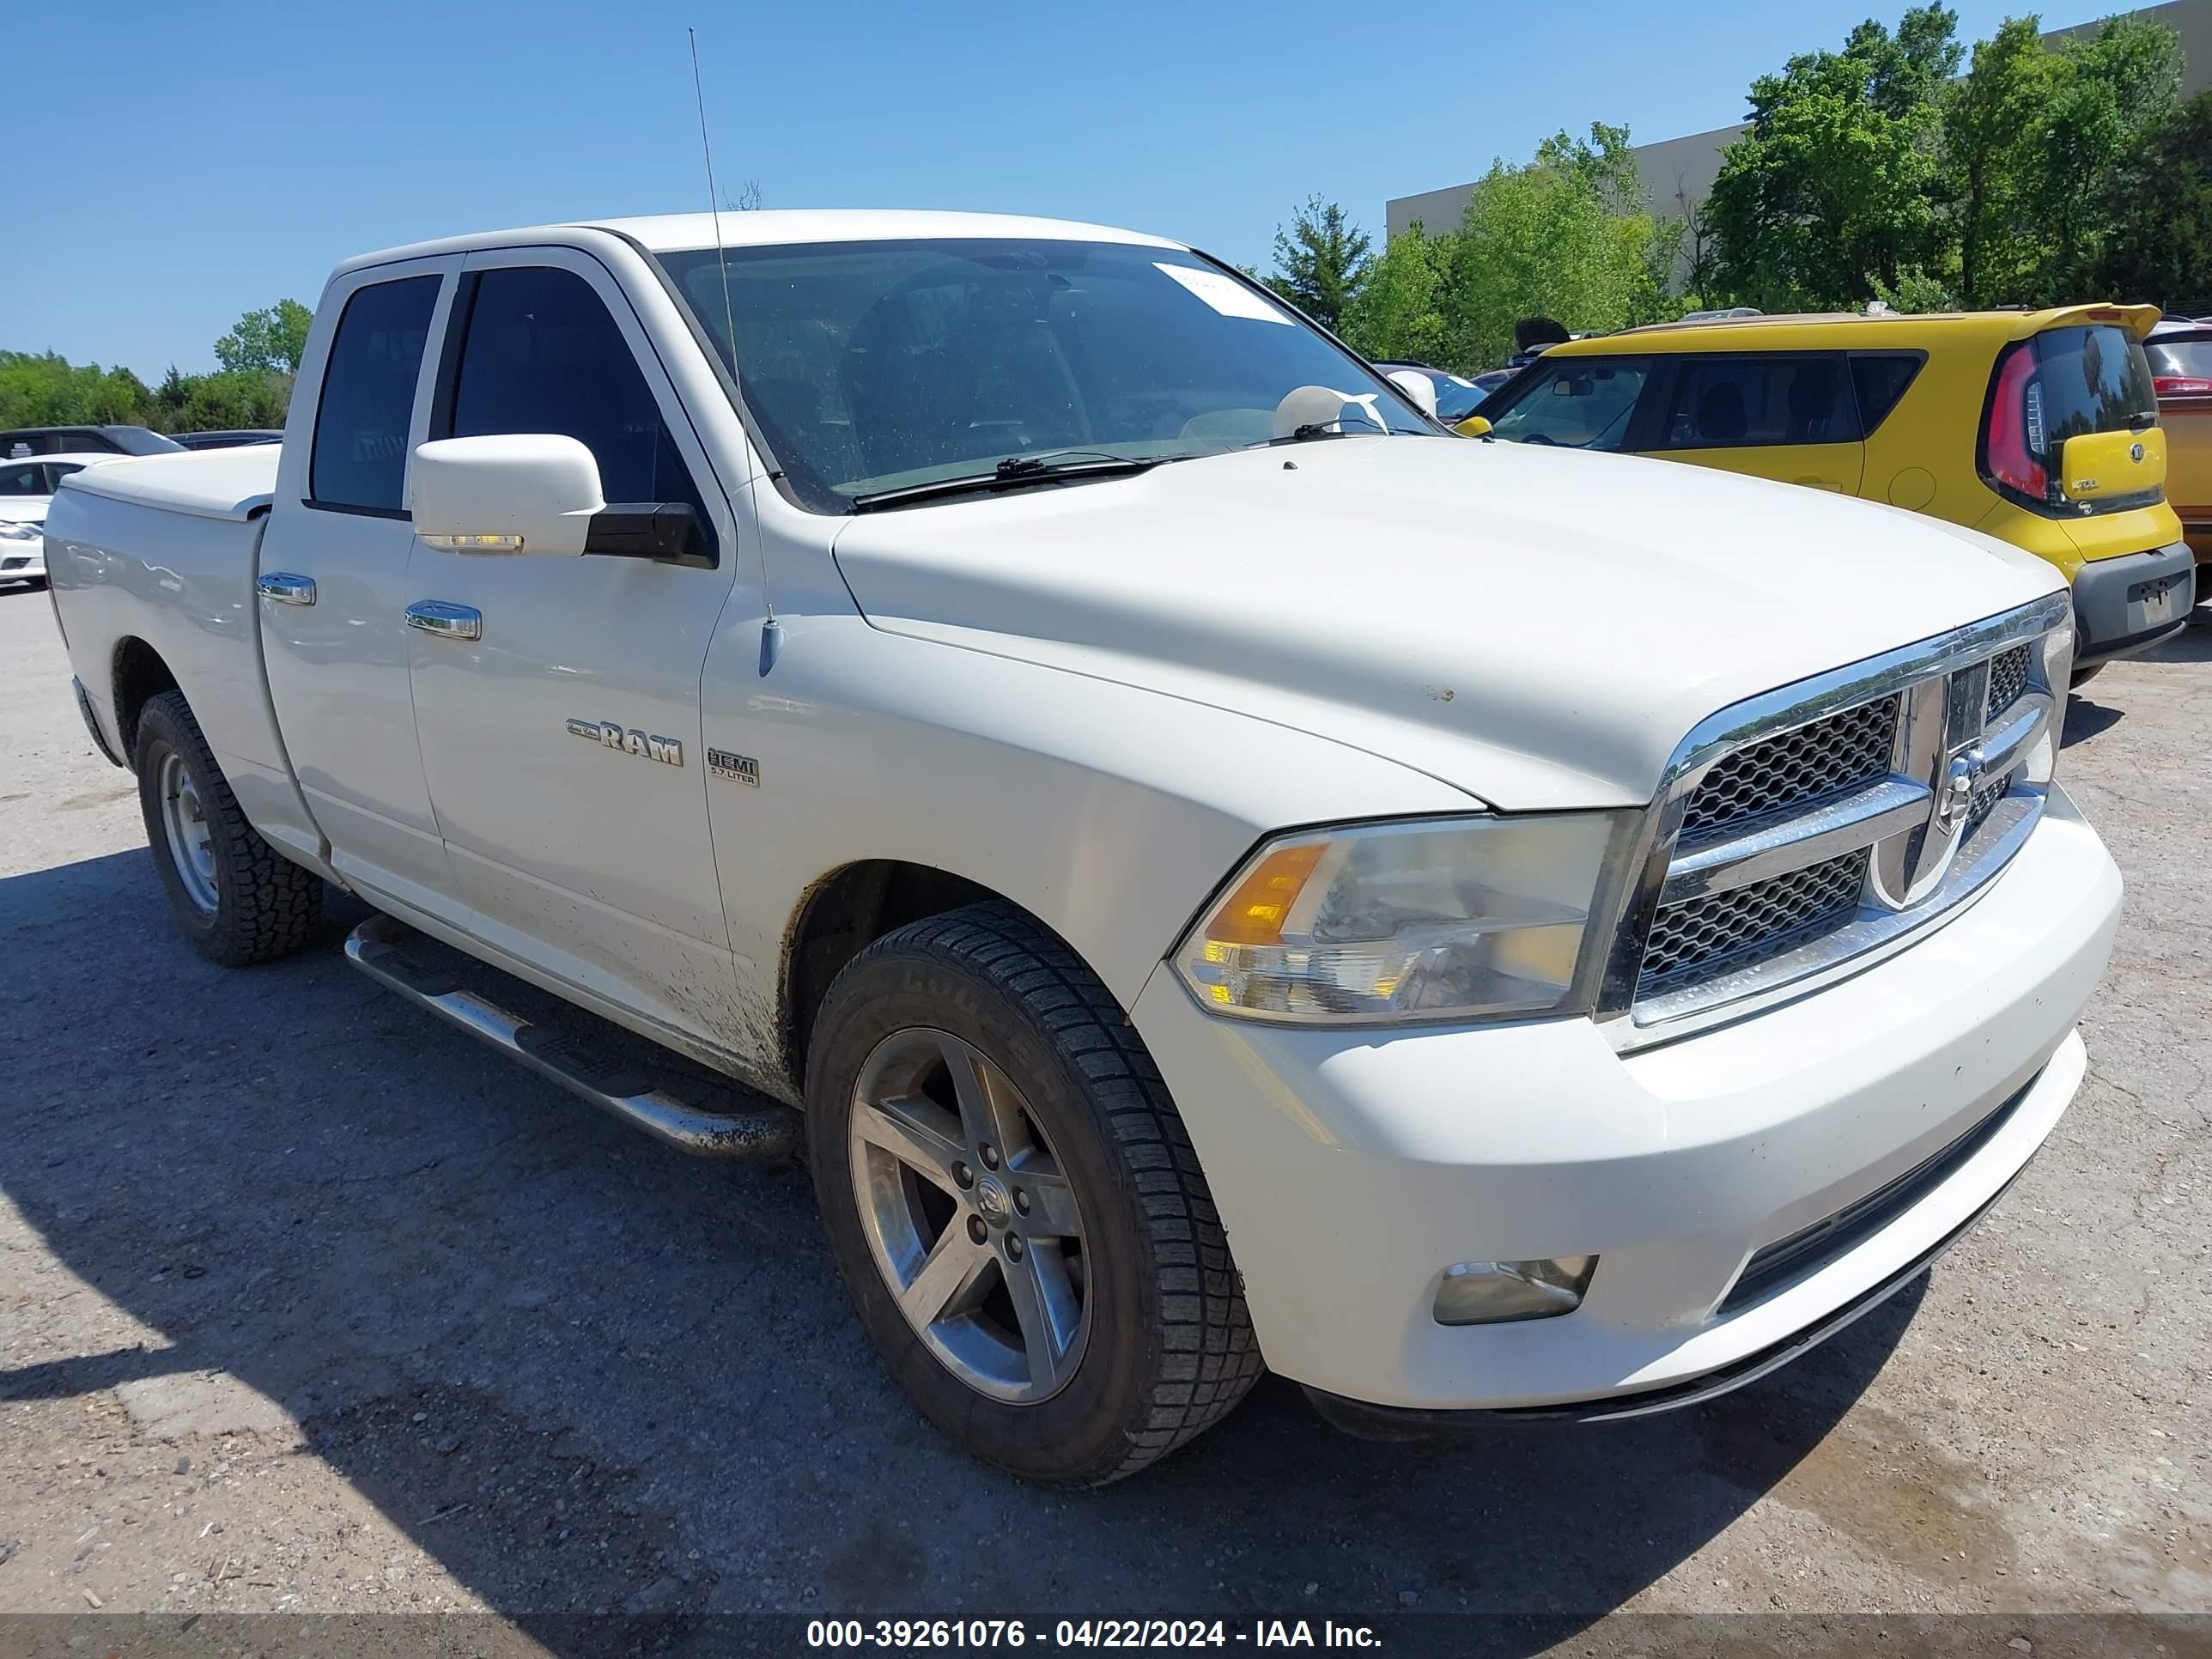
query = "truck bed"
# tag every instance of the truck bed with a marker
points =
(153, 570)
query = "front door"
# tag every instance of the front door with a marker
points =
(333, 581)
(558, 705)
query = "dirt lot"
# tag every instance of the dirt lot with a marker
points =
(307, 1302)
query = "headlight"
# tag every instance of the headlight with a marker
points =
(2057, 648)
(1440, 920)
(22, 532)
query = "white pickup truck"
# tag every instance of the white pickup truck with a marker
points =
(1227, 873)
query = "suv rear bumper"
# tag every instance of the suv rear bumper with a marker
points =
(1352, 1168)
(2106, 595)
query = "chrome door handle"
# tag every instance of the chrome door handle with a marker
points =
(285, 588)
(450, 622)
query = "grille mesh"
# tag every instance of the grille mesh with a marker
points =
(1987, 793)
(1722, 931)
(1828, 757)
(2007, 679)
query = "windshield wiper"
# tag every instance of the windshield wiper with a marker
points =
(1015, 472)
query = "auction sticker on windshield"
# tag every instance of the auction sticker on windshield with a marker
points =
(1225, 294)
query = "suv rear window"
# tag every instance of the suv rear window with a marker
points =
(2181, 365)
(2063, 383)
(2093, 380)
(1882, 380)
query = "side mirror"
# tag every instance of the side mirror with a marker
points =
(524, 492)
(1474, 426)
(1418, 387)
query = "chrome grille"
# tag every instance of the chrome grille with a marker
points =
(1795, 769)
(1832, 819)
(1731, 930)
(2007, 679)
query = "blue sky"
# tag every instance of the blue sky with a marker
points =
(193, 161)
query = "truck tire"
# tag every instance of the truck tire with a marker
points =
(237, 898)
(993, 1149)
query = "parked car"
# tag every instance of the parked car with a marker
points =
(1039, 708)
(231, 439)
(26, 488)
(16, 442)
(2181, 374)
(1456, 395)
(2039, 427)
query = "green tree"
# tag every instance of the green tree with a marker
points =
(1833, 183)
(1398, 311)
(1567, 235)
(2119, 85)
(1994, 122)
(2159, 212)
(262, 342)
(1321, 261)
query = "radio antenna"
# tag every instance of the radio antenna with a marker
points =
(771, 645)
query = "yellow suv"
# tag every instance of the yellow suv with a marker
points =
(2037, 426)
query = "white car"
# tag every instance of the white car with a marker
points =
(26, 487)
(1227, 875)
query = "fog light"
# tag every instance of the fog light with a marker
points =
(1495, 1293)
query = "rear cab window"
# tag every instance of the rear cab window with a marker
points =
(1577, 402)
(358, 461)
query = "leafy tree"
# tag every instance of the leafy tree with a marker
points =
(2117, 86)
(43, 389)
(1993, 131)
(262, 342)
(1398, 311)
(1321, 261)
(1567, 236)
(2159, 246)
(1833, 183)
(1916, 292)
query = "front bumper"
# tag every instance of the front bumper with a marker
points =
(1351, 1168)
(2118, 609)
(22, 562)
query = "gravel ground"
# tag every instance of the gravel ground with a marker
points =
(308, 1304)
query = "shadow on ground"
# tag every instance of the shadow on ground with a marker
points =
(583, 1372)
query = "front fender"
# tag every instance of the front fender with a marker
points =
(1108, 811)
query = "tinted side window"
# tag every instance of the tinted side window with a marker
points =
(1880, 381)
(360, 455)
(1735, 402)
(59, 470)
(542, 355)
(22, 478)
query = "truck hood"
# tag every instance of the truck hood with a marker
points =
(1537, 627)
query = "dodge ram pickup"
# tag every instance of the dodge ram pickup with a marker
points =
(1214, 871)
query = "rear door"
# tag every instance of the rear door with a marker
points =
(1789, 416)
(588, 858)
(333, 583)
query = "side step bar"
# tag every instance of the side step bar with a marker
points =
(377, 948)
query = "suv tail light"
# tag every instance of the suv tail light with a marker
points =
(2013, 429)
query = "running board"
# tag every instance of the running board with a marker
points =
(377, 947)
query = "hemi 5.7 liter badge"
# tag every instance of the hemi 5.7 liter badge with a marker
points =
(743, 768)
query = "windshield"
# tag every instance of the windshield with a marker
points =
(1456, 399)
(878, 366)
